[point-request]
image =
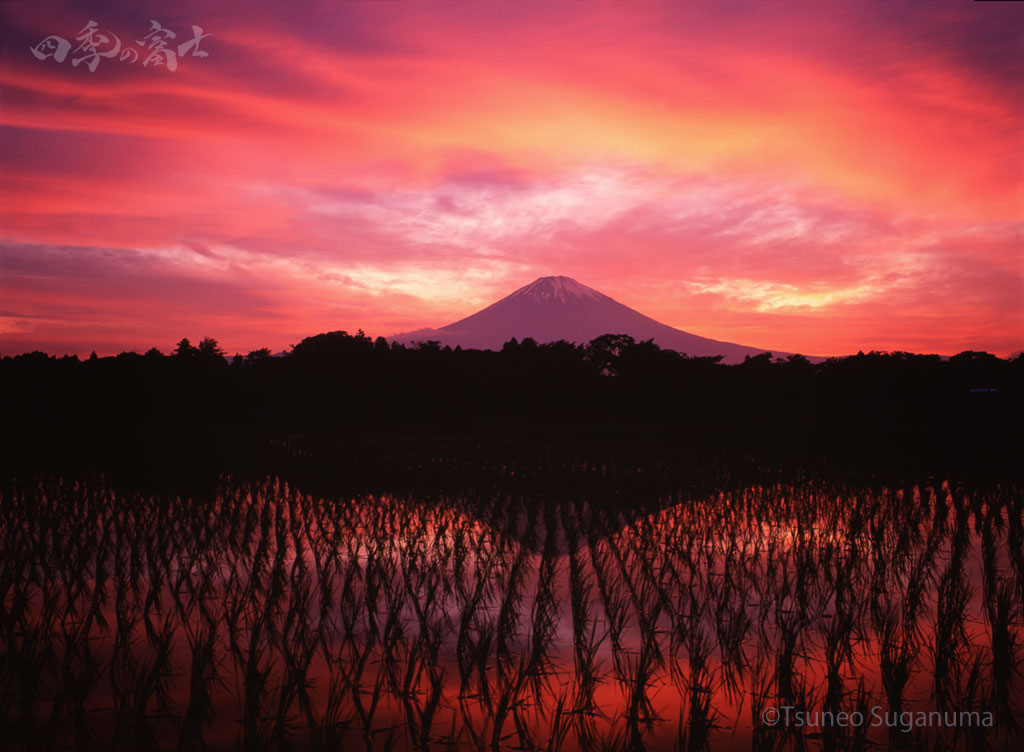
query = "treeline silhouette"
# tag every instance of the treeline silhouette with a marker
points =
(877, 409)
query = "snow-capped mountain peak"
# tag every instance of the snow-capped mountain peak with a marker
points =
(560, 308)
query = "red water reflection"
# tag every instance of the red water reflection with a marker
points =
(269, 618)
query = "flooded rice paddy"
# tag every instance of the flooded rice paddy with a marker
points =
(264, 617)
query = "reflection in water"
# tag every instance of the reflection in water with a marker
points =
(269, 618)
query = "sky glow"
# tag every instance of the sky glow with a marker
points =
(818, 179)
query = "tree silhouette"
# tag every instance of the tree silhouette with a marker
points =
(184, 349)
(604, 351)
(209, 349)
(256, 356)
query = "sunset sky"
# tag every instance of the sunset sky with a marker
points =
(818, 178)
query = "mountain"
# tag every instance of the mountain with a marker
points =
(560, 308)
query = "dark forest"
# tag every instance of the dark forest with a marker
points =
(868, 414)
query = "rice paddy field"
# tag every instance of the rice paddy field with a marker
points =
(261, 614)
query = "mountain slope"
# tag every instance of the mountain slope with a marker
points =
(556, 308)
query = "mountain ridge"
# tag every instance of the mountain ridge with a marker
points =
(560, 308)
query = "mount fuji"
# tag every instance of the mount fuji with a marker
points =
(560, 308)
